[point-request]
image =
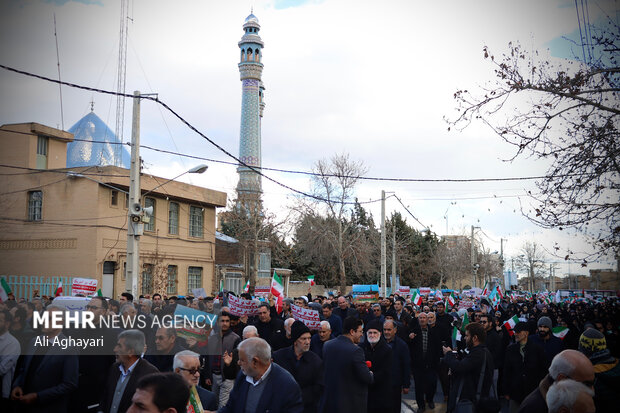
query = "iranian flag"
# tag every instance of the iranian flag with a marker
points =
(500, 292)
(465, 321)
(485, 290)
(451, 300)
(311, 279)
(456, 336)
(99, 293)
(510, 324)
(277, 286)
(246, 287)
(5, 290)
(58, 291)
(560, 331)
(417, 298)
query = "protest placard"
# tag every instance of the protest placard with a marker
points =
(262, 291)
(307, 316)
(425, 290)
(466, 304)
(199, 292)
(404, 291)
(241, 307)
(191, 323)
(84, 286)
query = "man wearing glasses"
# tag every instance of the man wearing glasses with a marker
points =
(187, 365)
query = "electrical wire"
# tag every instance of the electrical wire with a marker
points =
(190, 126)
(365, 178)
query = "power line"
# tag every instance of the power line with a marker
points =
(365, 178)
(189, 125)
(409, 212)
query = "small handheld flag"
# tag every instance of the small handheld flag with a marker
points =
(58, 291)
(311, 279)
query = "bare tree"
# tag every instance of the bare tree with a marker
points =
(328, 225)
(254, 227)
(532, 261)
(566, 113)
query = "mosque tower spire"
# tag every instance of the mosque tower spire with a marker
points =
(249, 188)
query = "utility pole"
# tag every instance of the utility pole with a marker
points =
(474, 264)
(383, 255)
(393, 256)
(134, 224)
(501, 260)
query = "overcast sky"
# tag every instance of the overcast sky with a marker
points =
(374, 79)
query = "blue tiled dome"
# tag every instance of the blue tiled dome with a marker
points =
(101, 151)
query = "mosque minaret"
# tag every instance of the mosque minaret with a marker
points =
(249, 188)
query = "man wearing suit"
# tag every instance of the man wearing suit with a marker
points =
(347, 376)
(124, 374)
(50, 373)
(187, 365)
(262, 386)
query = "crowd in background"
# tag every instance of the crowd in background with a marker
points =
(364, 356)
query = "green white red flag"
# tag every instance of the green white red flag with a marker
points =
(510, 324)
(58, 291)
(5, 290)
(417, 298)
(451, 300)
(311, 279)
(485, 290)
(456, 336)
(277, 286)
(246, 287)
(560, 332)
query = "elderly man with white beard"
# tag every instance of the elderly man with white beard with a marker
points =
(304, 365)
(379, 354)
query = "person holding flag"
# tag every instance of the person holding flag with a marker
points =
(187, 364)
(5, 290)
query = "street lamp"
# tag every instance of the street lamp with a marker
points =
(135, 226)
(195, 170)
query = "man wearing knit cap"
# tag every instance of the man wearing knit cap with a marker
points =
(545, 338)
(305, 366)
(592, 343)
(379, 354)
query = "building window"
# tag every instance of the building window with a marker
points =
(194, 278)
(114, 198)
(150, 226)
(147, 279)
(173, 270)
(35, 205)
(126, 201)
(173, 218)
(234, 282)
(195, 221)
(42, 144)
(264, 265)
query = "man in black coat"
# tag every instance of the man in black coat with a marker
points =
(379, 354)
(401, 369)
(343, 310)
(494, 344)
(262, 386)
(270, 329)
(124, 375)
(305, 366)
(347, 376)
(49, 374)
(467, 371)
(524, 367)
(167, 345)
(425, 350)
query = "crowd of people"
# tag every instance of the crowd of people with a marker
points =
(364, 357)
